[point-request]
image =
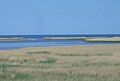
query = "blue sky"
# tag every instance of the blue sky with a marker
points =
(59, 16)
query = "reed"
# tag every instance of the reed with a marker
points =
(79, 63)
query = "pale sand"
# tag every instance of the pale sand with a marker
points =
(113, 39)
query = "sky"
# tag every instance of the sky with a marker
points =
(36, 17)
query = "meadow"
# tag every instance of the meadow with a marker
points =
(65, 63)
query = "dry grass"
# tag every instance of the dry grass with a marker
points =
(79, 63)
(114, 39)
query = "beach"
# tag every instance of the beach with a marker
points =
(61, 63)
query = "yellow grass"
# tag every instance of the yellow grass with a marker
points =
(77, 63)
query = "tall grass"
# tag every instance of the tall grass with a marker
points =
(61, 64)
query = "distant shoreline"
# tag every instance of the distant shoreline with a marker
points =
(37, 47)
(21, 41)
(86, 39)
(15, 39)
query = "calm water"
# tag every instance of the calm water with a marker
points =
(39, 41)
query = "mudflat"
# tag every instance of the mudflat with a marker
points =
(61, 63)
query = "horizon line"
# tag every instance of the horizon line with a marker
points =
(69, 34)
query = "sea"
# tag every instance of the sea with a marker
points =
(39, 41)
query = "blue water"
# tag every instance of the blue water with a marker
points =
(40, 42)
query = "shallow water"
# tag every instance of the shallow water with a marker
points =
(39, 41)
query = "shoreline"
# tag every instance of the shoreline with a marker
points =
(86, 39)
(39, 47)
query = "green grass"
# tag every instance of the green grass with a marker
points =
(21, 76)
(48, 61)
(39, 52)
(100, 54)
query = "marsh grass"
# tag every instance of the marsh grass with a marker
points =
(5, 73)
(100, 54)
(39, 52)
(81, 64)
(48, 61)
(22, 77)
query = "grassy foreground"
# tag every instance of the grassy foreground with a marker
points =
(79, 63)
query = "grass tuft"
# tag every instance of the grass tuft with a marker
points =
(48, 61)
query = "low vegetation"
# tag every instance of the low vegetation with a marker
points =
(82, 63)
(114, 39)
